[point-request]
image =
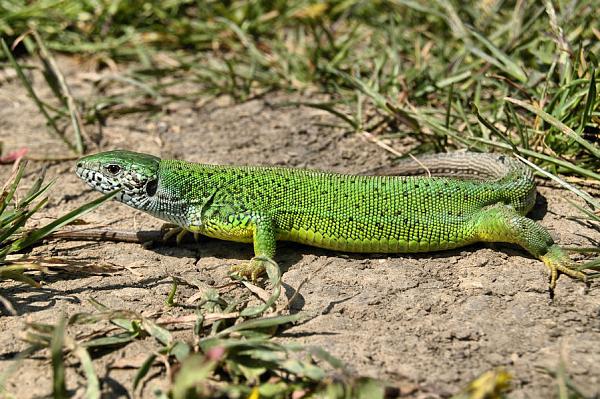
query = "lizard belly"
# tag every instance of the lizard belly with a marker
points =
(384, 236)
(224, 232)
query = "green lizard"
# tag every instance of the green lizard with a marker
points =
(471, 197)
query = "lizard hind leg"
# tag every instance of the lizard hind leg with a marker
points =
(501, 223)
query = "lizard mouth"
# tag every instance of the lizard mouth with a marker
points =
(95, 179)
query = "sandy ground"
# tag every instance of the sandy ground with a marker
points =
(433, 321)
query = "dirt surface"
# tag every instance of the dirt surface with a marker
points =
(433, 321)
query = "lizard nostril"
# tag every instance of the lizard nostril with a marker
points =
(79, 164)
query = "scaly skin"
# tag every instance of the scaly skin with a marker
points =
(472, 197)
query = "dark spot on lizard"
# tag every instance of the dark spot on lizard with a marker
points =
(152, 187)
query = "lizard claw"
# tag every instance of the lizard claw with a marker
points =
(251, 270)
(556, 260)
(171, 230)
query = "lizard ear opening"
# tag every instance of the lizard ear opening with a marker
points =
(151, 187)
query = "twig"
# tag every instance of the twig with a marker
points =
(139, 237)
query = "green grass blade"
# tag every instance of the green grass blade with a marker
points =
(585, 196)
(57, 132)
(143, 370)
(274, 274)
(586, 212)
(9, 192)
(534, 154)
(589, 102)
(93, 385)
(506, 63)
(59, 389)
(42, 232)
(558, 124)
(265, 322)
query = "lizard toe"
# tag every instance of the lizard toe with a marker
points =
(251, 270)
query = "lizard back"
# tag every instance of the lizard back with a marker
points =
(339, 211)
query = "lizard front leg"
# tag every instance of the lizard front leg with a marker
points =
(170, 230)
(264, 238)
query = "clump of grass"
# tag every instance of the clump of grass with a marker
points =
(15, 237)
(230, 352)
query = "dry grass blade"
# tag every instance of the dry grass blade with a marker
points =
(54, 128)
(53, 70)
(8, 306)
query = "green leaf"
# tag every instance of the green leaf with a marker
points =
(251, 373)
(266, 354)
(170, 301)
(8, 192)
(265, 322)
(119, 318)
(322, 354)
(18, 223)
(303, 369)
(274, 274)
(273, 390)
(161, 334)
(180, 350)
(589, 102)
(113, 340)
(194, 370)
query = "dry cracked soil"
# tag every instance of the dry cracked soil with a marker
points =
(432, 322)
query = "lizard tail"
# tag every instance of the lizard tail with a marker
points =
(510, 174)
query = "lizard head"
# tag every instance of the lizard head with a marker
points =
(135, 174)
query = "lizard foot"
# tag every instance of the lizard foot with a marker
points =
(171, 230)
(556, 260)
(250, 270)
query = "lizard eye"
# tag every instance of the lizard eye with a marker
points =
(113, 169)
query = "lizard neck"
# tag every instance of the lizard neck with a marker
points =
(183, 189)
